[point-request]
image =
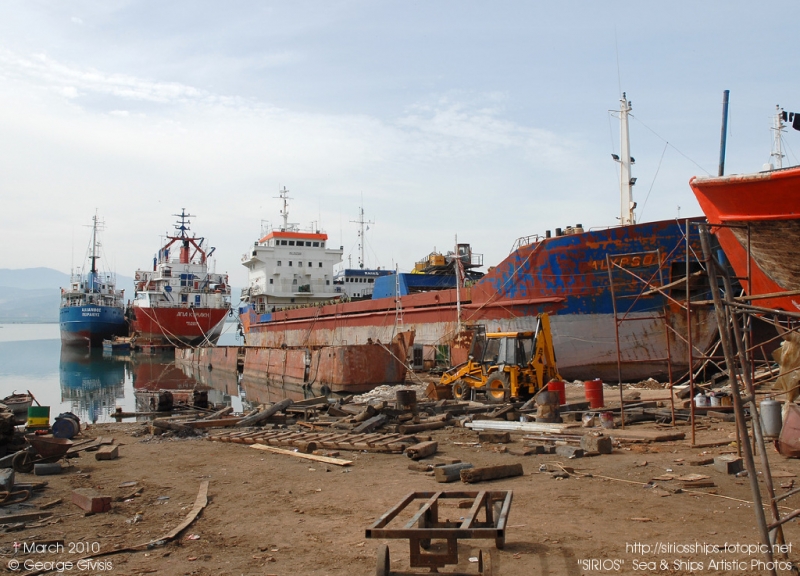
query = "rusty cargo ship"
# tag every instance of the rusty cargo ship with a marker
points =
(602, 289)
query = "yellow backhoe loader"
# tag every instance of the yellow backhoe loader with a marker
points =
(506, 365)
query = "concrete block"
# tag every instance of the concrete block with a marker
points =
(450, 473)
(107, 453)
(569, 451)
(528, 451)
(494, 437)
(446, 460)
(91, 500)
(601, 444)
(728, 464)
(7, 479)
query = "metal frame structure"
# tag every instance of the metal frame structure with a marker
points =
(425, 525)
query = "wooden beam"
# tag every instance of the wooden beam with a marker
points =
(325, 459)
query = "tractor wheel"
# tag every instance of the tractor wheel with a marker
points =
(460, 390)
(498, 389)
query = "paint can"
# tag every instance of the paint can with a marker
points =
(406, 400)
(607, 419)
(771, 420)
(701, 400)
(547, 407)
(594, 392)
(715, 400)
(559, 387)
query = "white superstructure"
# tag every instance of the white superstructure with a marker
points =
(290, 266)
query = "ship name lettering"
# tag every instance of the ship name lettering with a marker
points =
(627, 261)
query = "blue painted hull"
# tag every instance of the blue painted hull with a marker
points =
(91, 324)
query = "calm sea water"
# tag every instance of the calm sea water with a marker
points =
(92, 384)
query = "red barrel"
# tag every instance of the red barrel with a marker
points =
(594, 392)
(558, 386)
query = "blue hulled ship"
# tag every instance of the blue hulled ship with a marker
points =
(91, 308)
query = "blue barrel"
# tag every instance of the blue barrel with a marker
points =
(67, 425)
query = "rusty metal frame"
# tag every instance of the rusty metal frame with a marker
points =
(425, 525)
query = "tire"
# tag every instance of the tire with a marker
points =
(383, 568)
(484, 563)
(460, 390)
(500, 541)
(498, 390)
(22, 462)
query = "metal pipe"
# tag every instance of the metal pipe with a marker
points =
(724, 134)
(741, 425)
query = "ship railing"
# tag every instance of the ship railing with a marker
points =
(526, 241)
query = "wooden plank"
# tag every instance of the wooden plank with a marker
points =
(519, 426)
(217, 423)
(325, 459)
(199, 503)
(24, 517)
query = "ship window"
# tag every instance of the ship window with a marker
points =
(197, 300)
(290, 262)
(371, 280)
(291, 242)
(294, 282)
(327, 282)
(316, 244)
(320, 264)
(270, 280)
(283, 242)
(308, 243)
(299, 262)
(279, 262)
(310, 264)
(322, 244)
(184, 298)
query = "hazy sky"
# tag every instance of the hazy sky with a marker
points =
(489, 120)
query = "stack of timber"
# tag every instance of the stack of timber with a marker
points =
(309, 441)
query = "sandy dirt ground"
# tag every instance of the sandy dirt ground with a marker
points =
(277, 514)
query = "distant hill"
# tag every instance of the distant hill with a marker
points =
(33, 278)
(33, 294)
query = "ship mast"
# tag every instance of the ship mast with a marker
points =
(361, 242)
(284, 195)
(94, 255)
(778, 128)
(626, 182)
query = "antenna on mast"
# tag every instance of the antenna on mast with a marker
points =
(626, 181)
(777, 143)
(361, 223)
(284, 195)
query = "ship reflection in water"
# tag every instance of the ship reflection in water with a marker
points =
(155, 374)
(91, 382)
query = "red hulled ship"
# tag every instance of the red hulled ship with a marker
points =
(180, 303)
(756, 218)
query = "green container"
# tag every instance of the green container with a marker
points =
(38, 418)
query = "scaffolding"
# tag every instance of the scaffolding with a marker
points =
(735, 316)
(651, 280)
